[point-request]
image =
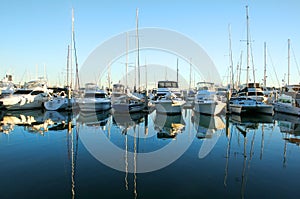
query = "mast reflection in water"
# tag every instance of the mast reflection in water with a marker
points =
(42, 155)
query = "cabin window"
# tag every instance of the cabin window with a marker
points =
(167, 85)
(36, 92)
(22, 92)
(285, 100)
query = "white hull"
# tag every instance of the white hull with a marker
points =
(169, 106)
(253, 108)
(128, 107)
(286, 108)
(22, 103)
(96, 106)
(209, 108)
(58, 104)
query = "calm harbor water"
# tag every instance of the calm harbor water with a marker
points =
(45, 155)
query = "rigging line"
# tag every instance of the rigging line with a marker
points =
(271, 60)
(295, 60)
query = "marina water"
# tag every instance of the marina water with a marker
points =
(43, 156)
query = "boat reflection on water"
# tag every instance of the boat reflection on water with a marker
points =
(206, 125)
(125, 121)
(255, 119)
(168, 126)
(247, 126)
(34, 121)
(290, 126)
(93, 118)
(208, 128)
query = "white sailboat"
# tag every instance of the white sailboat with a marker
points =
(248, 99)
(206, 100)
(66, 102)
(289, 100)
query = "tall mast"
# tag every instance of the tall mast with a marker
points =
(289, 49)
(126, 77)
(239, 70)
(77, 84)
(68, 64)
(230, 59)
(190, 84)
(177, 71)
(137, 46)
(146, 71)
(248, 46)
(265, 65)
(109, 76)
(71, 60)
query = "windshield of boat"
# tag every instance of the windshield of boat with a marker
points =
(36, 92)
(118, 88)
(22, 92)
(95, 95)
(167, 84)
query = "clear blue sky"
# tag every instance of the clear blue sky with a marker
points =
(35, 32)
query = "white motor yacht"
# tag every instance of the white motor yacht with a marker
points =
(169, 104)
(126, 102)
(286, 104)
(59, 101)
(32, 96)
(94, 99)
(206, 100)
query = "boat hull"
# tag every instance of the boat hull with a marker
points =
(58, 104)
(286, 109)
(22, 103)
(94, 106)
(128, 108)
(209, 108)
(168, 107)
(251, 109)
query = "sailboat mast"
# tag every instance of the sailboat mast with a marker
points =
(230, 60)
(177, 71)
(71, 60)
(77, 84)
(137, 46)
(248, 46)
(265, 65)
(190, 84)
(289, 49)
(109, 76)
(126, 77)
(239, 70)
(68, 59)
